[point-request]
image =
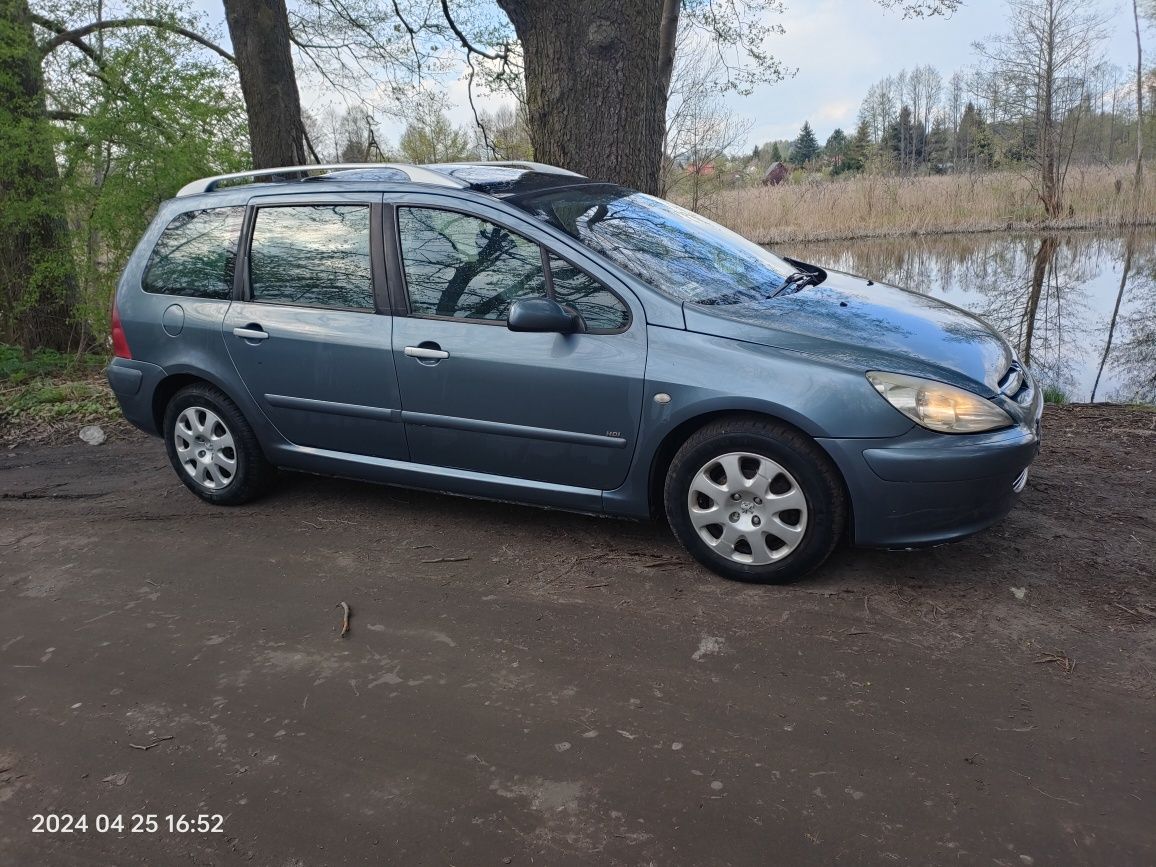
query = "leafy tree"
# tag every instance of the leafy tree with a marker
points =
(431, 138)
(806, 146)
(939, 143)
(99, 122)
(504, 135)
(776, 154)
(859, 148)
(162, 112)
(905, 141)
(973, 139)
(37, 275)
(836, 147)
(38, 278)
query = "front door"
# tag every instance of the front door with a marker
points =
(310, 337)
(557, 408)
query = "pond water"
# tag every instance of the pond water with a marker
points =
(1057, 298)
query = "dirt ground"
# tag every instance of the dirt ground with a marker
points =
(528, 687)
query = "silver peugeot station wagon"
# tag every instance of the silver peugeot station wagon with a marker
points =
(518, 332)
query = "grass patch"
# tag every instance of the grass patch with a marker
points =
(47, 391)
(1053, 394)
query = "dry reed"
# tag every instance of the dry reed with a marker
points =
(868, 206)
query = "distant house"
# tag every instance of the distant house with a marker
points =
(775, 175)
(705, 170)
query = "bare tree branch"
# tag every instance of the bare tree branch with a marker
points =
(65, 35)
(503, 55)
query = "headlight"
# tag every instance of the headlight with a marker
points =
(938, 406)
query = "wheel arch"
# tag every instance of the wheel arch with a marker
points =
(684, 430)
(176, 380)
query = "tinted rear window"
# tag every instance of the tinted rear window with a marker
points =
(196, 254)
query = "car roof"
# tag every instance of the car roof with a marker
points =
(497, 178)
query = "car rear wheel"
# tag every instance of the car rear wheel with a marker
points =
(212, 447)
(755, 500)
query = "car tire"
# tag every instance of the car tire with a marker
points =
(776, 515)
(213, 449)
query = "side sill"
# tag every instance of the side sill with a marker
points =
(440, 479)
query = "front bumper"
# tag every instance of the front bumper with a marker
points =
(926, 489)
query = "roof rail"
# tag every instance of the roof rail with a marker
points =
(517, 164)
(417, 174)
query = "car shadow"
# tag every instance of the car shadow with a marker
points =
(578, 534)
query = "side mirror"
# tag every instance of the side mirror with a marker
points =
(542, 315)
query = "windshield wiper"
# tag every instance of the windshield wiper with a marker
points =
(798, 281)
(807, 275)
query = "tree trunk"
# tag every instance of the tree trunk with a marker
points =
(1138, 188)
(38, 288)
(260, 33)
(596, 82)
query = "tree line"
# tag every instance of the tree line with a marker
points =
(1041, 98)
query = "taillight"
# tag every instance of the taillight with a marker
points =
(119, 343)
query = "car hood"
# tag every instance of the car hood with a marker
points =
(868, 325)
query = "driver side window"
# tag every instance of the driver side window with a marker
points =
(463, 267)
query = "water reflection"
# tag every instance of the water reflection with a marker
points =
(1066, 302)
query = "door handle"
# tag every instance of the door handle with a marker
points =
(251, 332)
(426, 352)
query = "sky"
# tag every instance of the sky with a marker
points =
(839, 48)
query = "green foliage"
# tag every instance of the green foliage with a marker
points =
(47, 387)
(17, 366)
(776, 154)
(35, 270)
(836, 145)
(806, 146)
(1055, 394)
(973, 140)
(856, 152)
(160, 111)
(431, 138)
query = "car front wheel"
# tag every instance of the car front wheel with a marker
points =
(755, 500)
(212, 447)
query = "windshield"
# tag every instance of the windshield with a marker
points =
(674, 250)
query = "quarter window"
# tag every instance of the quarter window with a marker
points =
(312, 255)
(601, 309)
(196, 254)
(460, 266)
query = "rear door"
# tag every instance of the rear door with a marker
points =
(311, 333)
(556, 408)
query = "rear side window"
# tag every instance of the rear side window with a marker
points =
(601, 309)
(196, 254)
(463, 267)
(312, 255)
